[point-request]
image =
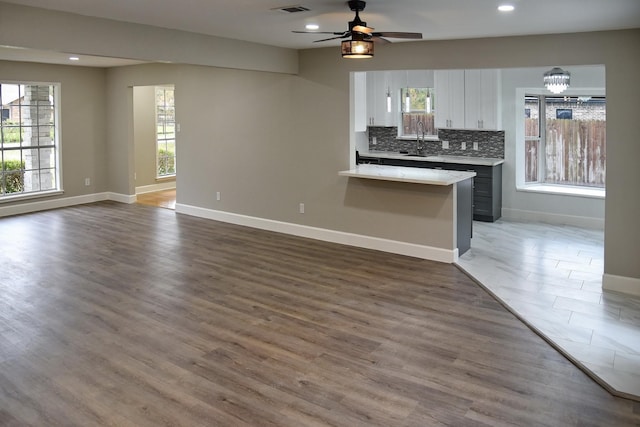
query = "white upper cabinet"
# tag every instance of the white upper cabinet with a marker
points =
(482, 99)
(360, 101)
(449, 99)
(381, 112)
(468, 99)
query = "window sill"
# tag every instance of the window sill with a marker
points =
(21, 197)
(166, 178)
(565, 190)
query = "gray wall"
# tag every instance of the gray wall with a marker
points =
(67, 32)
(144, 135)
(617, 50)
(82, 124)
(295, 136)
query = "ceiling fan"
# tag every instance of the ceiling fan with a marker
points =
(362, 37)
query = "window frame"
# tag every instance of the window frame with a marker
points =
(429, 109)
(541, 186)
(56, 144)
(158, 141)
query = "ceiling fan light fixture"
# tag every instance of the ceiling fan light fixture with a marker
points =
(357, 49)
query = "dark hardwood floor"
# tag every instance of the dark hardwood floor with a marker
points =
(130, 315)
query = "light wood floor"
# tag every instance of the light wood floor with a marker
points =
(115, 314)
(163, 199)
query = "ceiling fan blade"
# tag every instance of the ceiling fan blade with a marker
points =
(398, 35)
(335, 33)
(362, 29)
(379, 40)
(343, 36)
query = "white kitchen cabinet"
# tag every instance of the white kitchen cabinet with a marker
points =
(379, 83)
(449, 99)
(360, 101)
(482, 99)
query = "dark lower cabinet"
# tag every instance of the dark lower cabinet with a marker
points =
(487, 185)
(464, 224)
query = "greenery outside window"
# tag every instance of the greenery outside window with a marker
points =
(417, 107)
(165, 132)
(565, 140)
(29, 148)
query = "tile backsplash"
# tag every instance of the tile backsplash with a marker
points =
(490, 143)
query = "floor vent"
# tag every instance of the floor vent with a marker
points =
(292, 9)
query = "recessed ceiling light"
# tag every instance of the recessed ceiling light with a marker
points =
(312, 26)
(506, 8)
(74, 58)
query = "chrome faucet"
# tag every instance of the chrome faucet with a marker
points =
(419, 145)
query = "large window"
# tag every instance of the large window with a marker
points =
(165, 132)
(417, 107)
(29, 154)
(565, 140)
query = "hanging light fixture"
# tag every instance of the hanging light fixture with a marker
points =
(388, 100)
(557, 80)
(357, 48)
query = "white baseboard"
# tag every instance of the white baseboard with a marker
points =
(340, 237)
(625, 285)
(61, 202)
(42, 205)
(122, 198)
(169, 185)
(551, 218)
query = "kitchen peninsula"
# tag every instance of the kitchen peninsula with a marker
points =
(459, 184)
(487, 190)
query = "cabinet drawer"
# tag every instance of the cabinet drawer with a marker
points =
(482, 206)
(482, 187)
(483, 171)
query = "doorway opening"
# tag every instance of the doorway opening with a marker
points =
(155, 128)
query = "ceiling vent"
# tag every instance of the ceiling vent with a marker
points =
(292, 9)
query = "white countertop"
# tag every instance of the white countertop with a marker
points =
(464, 160)
(407, 174)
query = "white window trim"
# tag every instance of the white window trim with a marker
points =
(544, 188)
(565, 190)
(57, 144)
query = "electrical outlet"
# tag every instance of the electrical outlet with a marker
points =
(475, 146)
(217, 195)
(374, 141)
(463, 145)
(177, 127)
(445, 145)
(87, 182)
(301, 208)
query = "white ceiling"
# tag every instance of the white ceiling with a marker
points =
(256, 21)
